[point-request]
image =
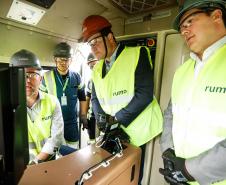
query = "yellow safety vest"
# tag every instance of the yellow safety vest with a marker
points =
(39, 130)
(199, 108)
(116, 90)
(50, 82)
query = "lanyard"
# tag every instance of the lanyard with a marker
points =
(64, 85)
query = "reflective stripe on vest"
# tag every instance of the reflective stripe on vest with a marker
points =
(199, 108)
(116, 90)
(39, 130)
(50, 82)
(32, 145)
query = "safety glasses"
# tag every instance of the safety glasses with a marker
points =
(189, 20)
(32, 75)
(94, 41)
(62, 59)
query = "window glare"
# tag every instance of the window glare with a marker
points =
(78, 64)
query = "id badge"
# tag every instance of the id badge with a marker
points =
(63, 100)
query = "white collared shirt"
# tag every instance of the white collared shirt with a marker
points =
(112, 60)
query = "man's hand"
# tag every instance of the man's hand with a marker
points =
(167, 155)
(168, 177)
(35, 161)
(83, 120)
(111, 119)
(105, 120)
(174, 170)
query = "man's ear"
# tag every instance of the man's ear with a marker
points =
(54, 59)
(41, 77)
(216, 15)
(69, 62)
(110, 37)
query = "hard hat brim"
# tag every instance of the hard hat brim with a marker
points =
(198, 4)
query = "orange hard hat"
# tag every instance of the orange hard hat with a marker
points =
(92, 25)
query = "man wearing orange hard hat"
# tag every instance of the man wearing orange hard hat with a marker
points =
(119, 91)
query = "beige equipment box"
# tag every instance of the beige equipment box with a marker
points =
(122, 170)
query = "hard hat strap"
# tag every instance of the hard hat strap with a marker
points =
(105, 45)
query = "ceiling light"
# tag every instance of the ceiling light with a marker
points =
(25, 13)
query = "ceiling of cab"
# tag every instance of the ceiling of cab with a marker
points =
(64, 18)
(140, 6)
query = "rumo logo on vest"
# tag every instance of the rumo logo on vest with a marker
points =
(215, 89)
(119, 92)
(46, 118)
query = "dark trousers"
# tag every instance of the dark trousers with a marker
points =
(142, 163)
(65, 150)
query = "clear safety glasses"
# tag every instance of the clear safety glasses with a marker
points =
(62, 60)
(31, 75)
(189, 20)
(94, 41)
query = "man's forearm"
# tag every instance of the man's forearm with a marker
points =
(166, 140)
(209, 166)
(83, 108)
(42, 156)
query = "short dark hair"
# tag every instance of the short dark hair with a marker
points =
(104, 32)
